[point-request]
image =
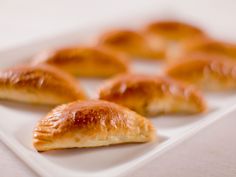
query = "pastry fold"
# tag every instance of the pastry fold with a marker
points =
(40, 84)
(90, 124)
(210, 74)
(152, 95)
(86, 61)
(133, 43)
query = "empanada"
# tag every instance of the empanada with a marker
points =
(173, 30)
(85, 61)
(203, 46)
(152, 95)
(169, 33)
(40, 84)
(90, 124)
(210, 74)
(133, 43)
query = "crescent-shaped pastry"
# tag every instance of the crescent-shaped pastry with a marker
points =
(209, 74)
(169, 32)
(173, 30)
(203, 46)
(132, 43)
(90, 124)
(40, 84)
(152, 95)
(85, 61)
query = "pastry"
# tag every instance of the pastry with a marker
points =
(210, 74)
(170, 33)
(132, 43)
(85, 61)
(203, 46)
(40, 84)
(90, 124)
(173, 30)
(152, 95)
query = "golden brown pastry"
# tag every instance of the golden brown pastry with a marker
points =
(40, 84)
(173, 30)
(169, 32)
(203, 46)
(90, 124)
(132, 43)
(152, 95)
(209, 74)
(85, 61)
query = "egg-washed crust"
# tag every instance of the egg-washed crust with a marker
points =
(211, 74)
(152, 95)
(40, 84)
(89, 124)
(173, 30)
(133, 43)
(85, 61)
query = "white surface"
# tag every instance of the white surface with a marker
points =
(211, 153)
(24, 21)
(18, 121)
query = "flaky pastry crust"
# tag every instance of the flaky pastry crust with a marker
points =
(40, 84)
(90, 124)
(85, 61)
(152, 95)
(133, 43)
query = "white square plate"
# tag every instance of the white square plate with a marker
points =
(18, 120)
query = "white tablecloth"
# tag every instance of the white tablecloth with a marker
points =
(211, 153)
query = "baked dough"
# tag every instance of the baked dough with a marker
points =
(90, 124)
(171, 30)
(203, 46)
(152, 95)
(40, 84)
(133, 43)
(85, 61)
(210, 74)
(170, 33)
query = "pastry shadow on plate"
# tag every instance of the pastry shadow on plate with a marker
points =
(147, 67)
(100, 158)
(179, 120)
(220, 99)
(89, 159)
(25, 107)
(90, 150)
(24, 136)
(91, 85)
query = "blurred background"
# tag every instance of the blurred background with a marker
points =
(24, 21)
